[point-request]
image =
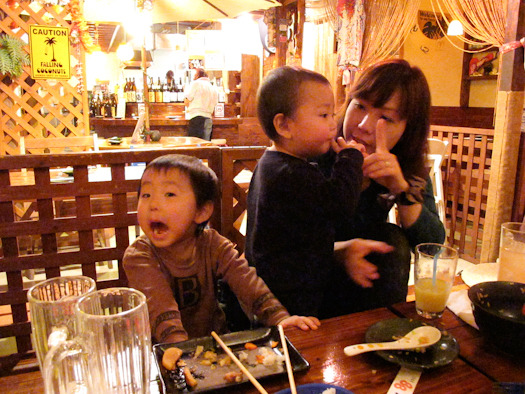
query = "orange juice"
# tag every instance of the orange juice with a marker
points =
(512, 264)
(431, 298)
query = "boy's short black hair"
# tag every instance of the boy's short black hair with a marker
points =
(202, 178)
(278, 94)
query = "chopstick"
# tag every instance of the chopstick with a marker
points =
(293, 390)
(239, 364)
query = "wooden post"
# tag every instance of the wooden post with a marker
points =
(145, 95)
(509, 108)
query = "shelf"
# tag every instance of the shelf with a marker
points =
(481, 77)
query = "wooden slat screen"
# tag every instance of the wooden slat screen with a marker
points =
(40, 108)
(37, 213)
(234, 194)
(466, 174)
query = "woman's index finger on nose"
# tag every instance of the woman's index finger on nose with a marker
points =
(381, 140)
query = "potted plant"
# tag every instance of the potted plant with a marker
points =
(12, 56)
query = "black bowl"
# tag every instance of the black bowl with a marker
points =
(498, 308)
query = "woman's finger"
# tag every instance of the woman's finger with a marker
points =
(381, 140)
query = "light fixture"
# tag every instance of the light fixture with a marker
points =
(455, 28)
(125, 52)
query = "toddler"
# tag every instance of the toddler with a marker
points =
(177, 262)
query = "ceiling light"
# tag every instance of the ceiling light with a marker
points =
(125, 52)
(455, 28)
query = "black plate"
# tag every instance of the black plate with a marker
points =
(211, 379)
(441, 353)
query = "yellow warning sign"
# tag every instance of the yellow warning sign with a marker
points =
(49, 52)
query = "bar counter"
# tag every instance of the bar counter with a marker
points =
(236, 131)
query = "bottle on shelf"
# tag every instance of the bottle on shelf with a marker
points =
(158, 92)
(126, 90)
(180, 92)
(151, 91)
(166, 93)
(133, 91)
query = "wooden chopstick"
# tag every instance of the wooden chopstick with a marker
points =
(239, 364)
(291, 379)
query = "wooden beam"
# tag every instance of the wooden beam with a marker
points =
(507, 132)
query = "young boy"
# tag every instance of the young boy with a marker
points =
(292, 208)
(177, 262)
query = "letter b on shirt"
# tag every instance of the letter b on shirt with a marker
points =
(187, 291)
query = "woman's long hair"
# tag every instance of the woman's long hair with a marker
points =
(377, 84)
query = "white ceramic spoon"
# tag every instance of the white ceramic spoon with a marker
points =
(417, 338)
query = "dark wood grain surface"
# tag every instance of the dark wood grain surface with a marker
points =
(365, 373)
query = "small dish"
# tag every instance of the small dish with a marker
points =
(441, 353)
(316, 388)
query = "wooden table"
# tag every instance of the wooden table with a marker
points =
(164, 143)
(474, 371)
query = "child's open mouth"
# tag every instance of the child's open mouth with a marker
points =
(158, 227)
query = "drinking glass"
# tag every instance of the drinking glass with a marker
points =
(512, 252)
(434, 272)
(112, 350)
(52, 303)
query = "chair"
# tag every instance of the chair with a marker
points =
(437, 152)
(58, 144)
(55, 145)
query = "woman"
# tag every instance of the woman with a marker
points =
(387, 111)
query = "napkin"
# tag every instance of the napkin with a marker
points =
(476, 273)
(459, 303)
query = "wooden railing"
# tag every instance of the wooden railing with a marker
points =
(466, 174)
(50, 224)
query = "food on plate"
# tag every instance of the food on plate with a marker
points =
(186, 369)
(198, 351)
(329, 391)
(233, 377)
(170, 358)
(250, 346)
(190, 379)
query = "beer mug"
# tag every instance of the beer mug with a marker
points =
(111, 352)
(52, 303)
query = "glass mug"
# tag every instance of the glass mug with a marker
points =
(111, 352)
(52, 303)
(512, 252)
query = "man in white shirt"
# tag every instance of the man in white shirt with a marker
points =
(201, 99)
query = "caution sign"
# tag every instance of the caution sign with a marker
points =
(49, 52)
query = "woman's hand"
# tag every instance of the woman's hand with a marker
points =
(305, 323)
(354, 253)
(382, 166)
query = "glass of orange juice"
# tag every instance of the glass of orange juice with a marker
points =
(512, 252)
(434, 272)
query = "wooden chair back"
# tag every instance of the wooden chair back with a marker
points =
(58, 144)
(437, 153)
(237, 165)
(36, 190)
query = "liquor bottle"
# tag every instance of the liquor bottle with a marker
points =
(180, 92)
(133, 91)
(126, 89)
(158, 92)
(166, 94)
(151, 91)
